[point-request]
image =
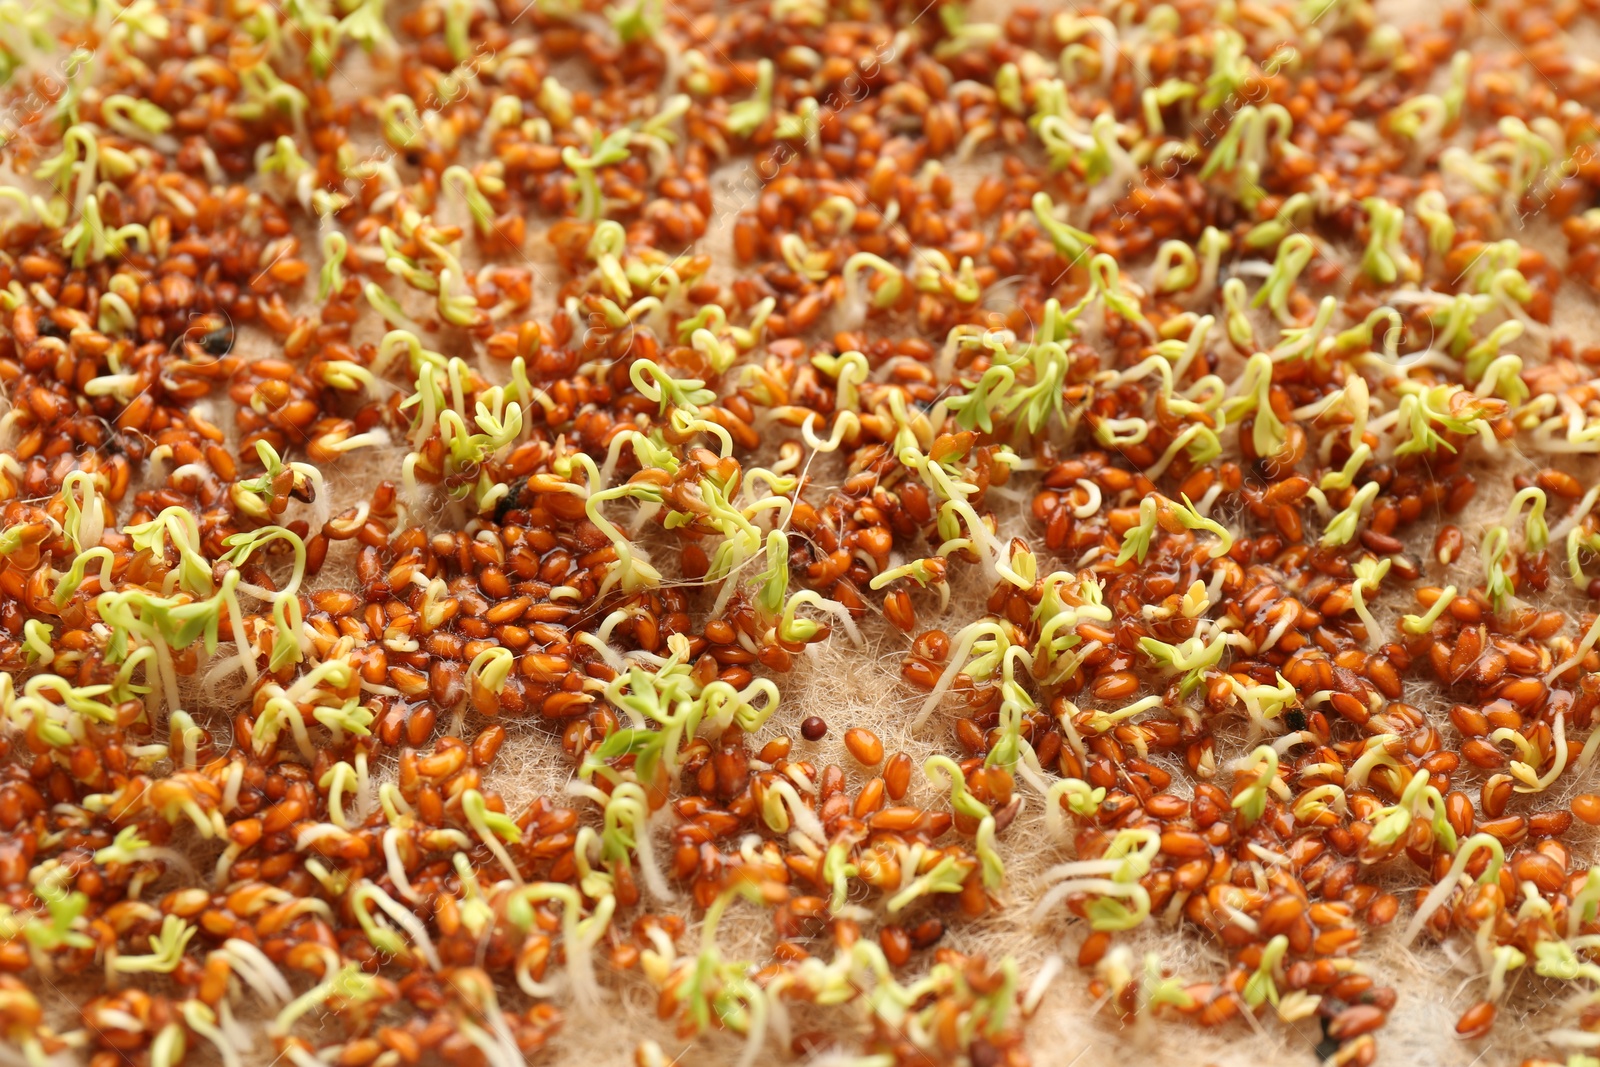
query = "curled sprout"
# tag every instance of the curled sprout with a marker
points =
(1073, 244)
(1536, 534)
(579, 934)
(1497, 585)
(1080, 798)
(1386, 260)
(1369, 576)
(1121, 902)
(1293, 255)
(1255, 395)
(1446, 886)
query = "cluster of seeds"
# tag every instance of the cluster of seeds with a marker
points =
(1165, 386)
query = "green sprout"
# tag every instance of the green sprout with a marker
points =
(1176, 267)
(603, 152)
(745, 117)
(384, 938)
(1121, 902)
(1294, 212)
(1585, 906)
(1342, 527)
(124, 848)
(470, 189)
(1261, 987)
(135, 119)
(1081, 799)
(331, 278)
(1156, 97)
(1426, 411)
(946, 874)
(1390, 824)
(1369, 575)
(961, 34)
(1497, 584)
(263, 90)
(1255, 394)
(1071, 243)
(1193, 658)
(36, 646)
(1386, 260)
(1153, 510)
(655, 384)
(1536, 533)
(1433, 210)
(1251, 801)
(1136, 541)
(1293, 255)
(580, 935)
(1421, 624)
(491, 827)
(166, 950)
(66, 910)
(89, 241)
(1440, 894)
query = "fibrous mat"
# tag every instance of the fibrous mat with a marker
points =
(825, 530)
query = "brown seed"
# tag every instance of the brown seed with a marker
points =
(1523, 692)
(864, 745)
(933, 646)
(1166, 807)
(1283, 912)
(1560, 483)
(815, 728)
(1469, 720)
(1184, 844)
(896, 944)
(1093, 949)
(1382, 544)
(1477, 1020)
(1384, 676)
(1549, 823)
(1115, 686)
(1586, 806)
(1458, 809)
(1350, 988)
(869, 800)
(1383, 909)
(1355, 1021)
(1481, 753)
(487, 744)
(1496, 794)
(1383, 998)
(897, 775)
(927, 933)
(1219, 1010)
(1542, 871)
(898, 609)
(1508, 830)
